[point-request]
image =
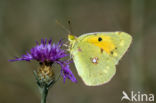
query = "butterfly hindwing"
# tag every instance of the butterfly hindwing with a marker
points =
(94, 67)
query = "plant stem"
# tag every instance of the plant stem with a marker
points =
(44, 92)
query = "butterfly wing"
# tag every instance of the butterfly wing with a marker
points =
(114, 43)
(95, 68)
(94, 59)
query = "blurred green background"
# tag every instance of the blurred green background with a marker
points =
(24, 21)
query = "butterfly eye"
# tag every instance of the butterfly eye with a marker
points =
(99, 39)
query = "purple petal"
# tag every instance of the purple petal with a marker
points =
(45, 52)
(66, 72)
(50, 41)
(26, 57)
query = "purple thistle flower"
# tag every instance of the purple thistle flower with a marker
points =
(49, 53)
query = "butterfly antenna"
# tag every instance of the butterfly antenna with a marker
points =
(58, 23)
(70, 26)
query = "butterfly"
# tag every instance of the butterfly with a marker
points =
(96, 55)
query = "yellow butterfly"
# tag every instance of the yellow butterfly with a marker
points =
(96, 54)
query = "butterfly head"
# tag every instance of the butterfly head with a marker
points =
(71, 37)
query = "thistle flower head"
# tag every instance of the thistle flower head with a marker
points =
(47, 53)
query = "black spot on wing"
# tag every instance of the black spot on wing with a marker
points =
(112, 52)
(101, 50)
(99, 39)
